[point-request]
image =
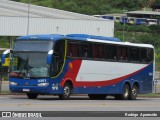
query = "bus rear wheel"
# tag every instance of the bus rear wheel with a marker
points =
(97, 96)
(66, 92)
(32, 96)
(125, 95)
(133, 93)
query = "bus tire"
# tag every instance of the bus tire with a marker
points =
(32, 96)
(97, 96)
(125, 94)
(133, 92)
(66, 93)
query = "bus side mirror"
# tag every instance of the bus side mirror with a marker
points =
(49, 57)
(4, 55)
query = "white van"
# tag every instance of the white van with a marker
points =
(152, 21)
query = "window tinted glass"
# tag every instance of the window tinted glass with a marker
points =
(134, 54)
(111, 52)
(73, 49)
(86, 50)
(143, 55)
(99, 51)
(123, 53)
(40, 45)
(150, 54)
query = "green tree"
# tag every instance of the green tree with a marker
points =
(90, 6)
(155, 29)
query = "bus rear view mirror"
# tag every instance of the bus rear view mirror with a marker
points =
(4, 55)
(49, 57)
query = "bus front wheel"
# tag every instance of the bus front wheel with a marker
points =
(66, 92)
(32, 96)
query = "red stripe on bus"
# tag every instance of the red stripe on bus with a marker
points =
(72, 74)
(105, 82)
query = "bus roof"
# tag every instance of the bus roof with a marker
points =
(82, 37)
(124, 43)
(56, 37)
(85, 36)
(42, 37)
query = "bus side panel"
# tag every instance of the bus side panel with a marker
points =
(108, 78)
(146, 77)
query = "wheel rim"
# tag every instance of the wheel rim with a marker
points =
(66, 91)
(134, 92)
(126, 92)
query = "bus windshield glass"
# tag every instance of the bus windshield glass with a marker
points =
(29, 59)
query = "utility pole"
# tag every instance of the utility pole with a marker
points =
(124, 21)
(123, 27)
(29, 2)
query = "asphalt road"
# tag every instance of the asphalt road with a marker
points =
(76, 103)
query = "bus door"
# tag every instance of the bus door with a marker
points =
(58, 58)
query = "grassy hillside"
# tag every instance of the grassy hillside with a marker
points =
(4, 42)
(91, 7)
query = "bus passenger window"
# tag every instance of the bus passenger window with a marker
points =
(123, 53)
(134, 54)
(99, 51)
(111, 51)
(86, 50)
(73, 49)
(143, 55)
(150, 55)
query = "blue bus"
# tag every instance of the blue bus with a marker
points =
(123, 19)
(140, 21)
(80, 64)
(107, 17)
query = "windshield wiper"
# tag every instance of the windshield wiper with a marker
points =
(22, 68)
(26, 68)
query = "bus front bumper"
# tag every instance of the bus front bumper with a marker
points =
(34, 89)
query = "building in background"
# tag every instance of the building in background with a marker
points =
(135, 17)
(17, 19)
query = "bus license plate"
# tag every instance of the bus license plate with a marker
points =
(26, 90)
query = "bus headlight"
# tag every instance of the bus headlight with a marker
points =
(43, 84)
(13, 83)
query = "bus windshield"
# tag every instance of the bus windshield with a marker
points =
(25, 65)
(29, 59)
(39, 45)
